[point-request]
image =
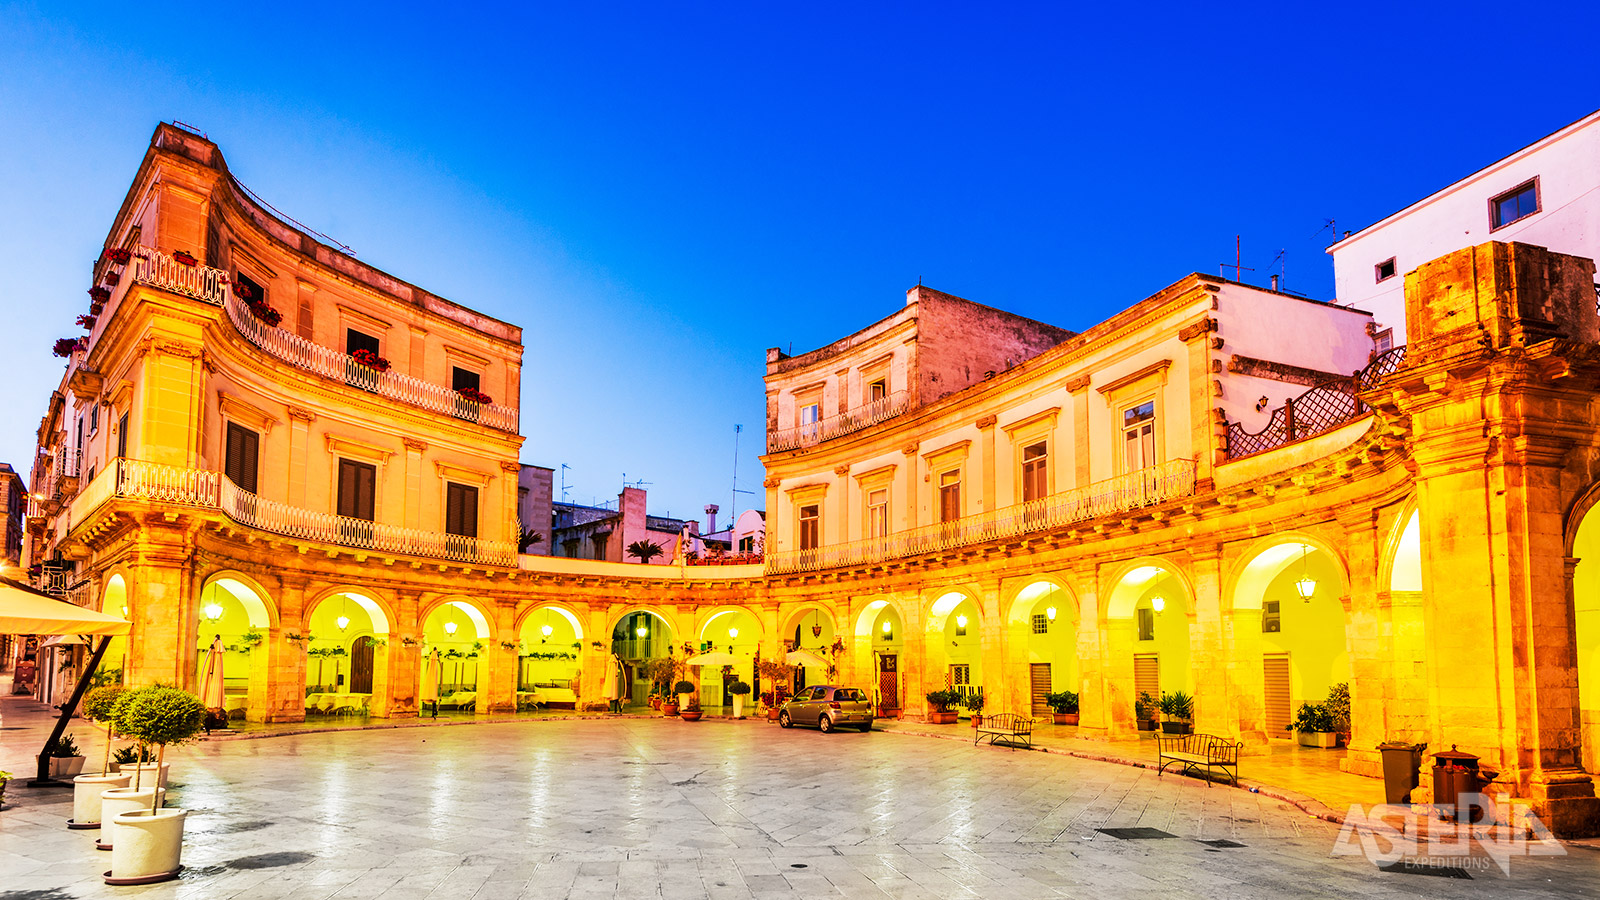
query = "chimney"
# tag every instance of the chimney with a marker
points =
(1274, 282)
(711, 518)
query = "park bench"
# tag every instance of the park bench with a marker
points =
(1198, 751)
(1014, 730)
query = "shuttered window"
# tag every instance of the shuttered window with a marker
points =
(461, 510)
(358, 484)
(1277, 705)
(1147, 675)
(242, 457)
(1038, 687)
(463, 379)
(122, 436)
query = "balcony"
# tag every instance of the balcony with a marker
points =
(202, 489)
(1145, 487)
(813, 433)
(1318, 410)
(152, 267)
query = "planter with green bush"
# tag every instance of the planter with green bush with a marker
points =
(1063, 707)
(1315, 726)
(1144, 711)
(149, 842)
(1177, 710)
(65, 760)
(739, 691)
(943, 705)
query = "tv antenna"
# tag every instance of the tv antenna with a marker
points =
(564, 485)
(733, 511)
(634, 484)
(1237, 265)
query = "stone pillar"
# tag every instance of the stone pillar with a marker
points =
(502, 661)
(1246, 680)
(412, 466)
(1371, 666)
(299, 449)
(1217, 694)
(986, 462)
(286, 658)
(1498, 388)
(382, 656)
(916, 681)
(163, 606)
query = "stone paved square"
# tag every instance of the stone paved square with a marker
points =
(661, 808)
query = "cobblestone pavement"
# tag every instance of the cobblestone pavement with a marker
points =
(663, 808)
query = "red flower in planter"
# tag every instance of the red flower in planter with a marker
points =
(184, 258)
(118, 255)
(242, 290)
(87, 322)
(370, 360)
(96, 309)
(265, 313)
(99, 294)
(476, 396)
(67, 346)
(111, 279)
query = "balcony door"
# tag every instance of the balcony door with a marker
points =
(358, 484)
(460, 518)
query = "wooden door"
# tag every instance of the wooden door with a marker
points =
(1276, 703)
(1039, 679)
(888, 681)
(361, 666)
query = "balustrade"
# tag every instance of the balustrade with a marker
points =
(1320, 409)
(835, 426)
(1102, 498)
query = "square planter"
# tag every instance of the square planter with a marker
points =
(1326, 740)
(1064, 718)
(65, 766)
(943, 718)
(1176, 728)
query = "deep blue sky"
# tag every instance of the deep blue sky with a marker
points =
(659, 193)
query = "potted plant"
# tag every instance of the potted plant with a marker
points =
(99, 705)
(974, 704)
(1144, 711)
(942, 702)
(149, 842)
(691, 709)
(1315, 727)
(739, 690)
(686, 692)
(99, 294)
(770, 703)
(118, 256)
(1338, 704)
(65, 347)
(1177, 708)
(1063, 707)
(4, 778)
(267, 314)
(371, 360)
(64, 757)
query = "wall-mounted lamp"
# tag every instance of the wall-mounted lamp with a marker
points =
(1050, 614)
(213, 612)
(1158, 603)
(124, 612)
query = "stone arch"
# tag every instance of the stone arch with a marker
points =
(1050, 655)
(481, 618)
(231, 605)
(1151, 654)
(953, 641)
(747, 618)
(802, 615)
(1021, 596)
(377, 608)
(561, 609)
(1121, 600)
(115, 599)
(1583, 549)
(1266, 558)
(256, 600)
(1400, 563)
(656, 612)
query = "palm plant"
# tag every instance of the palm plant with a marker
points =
(645, 550)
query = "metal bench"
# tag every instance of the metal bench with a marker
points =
(1014, 730)
(1198, 752)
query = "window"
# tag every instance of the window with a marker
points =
(94, 417)
(600, 541)
(1139, 437)
(122, 435)
(358, 483)
(460, 510)
(1383, 342)
(240, 462)
(79, 444)
(253, 292)
(810, 527)
(1035, 471)
(355, 340)
(810, 413)
(878, 513)
(747, 544)
(1384, 270)
(1147, 623)
(461, 379)
(1518, 203)
(960, 673)
(1271, 620)
(878, 390)
(950, 496)
(1041, 623)
(569, 548)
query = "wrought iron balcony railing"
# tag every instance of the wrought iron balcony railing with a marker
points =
(152, 267)
(1322, 408)
(1102, 498)
(210, 490)
(811, 433)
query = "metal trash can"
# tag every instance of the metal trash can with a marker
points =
(1401, 763)
(1454, 773)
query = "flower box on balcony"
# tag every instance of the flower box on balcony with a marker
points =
(184, 258)
(265, 313)
(87, 322)
(370, 360)
(99, 294)
(96, 309)
(111, 279)
(475, 395)
(65, 347)
(118, 256)
(243, 291)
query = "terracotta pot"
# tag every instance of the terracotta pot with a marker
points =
(691, 715)
(943, 718)
(149, 846)
(1064, 718)
(772, 714)
(888, 712)
(669, 709)
(86, 791)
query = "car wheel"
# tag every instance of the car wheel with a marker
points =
(826, 724)
(783, 719)
(867, 727)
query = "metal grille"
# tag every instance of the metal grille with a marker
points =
(1041, 624)
(1320, 409)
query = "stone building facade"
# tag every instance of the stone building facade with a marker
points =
(1220, 490)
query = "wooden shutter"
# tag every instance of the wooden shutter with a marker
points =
(1039, 681)
(1147, 675)
(1277, 706)
(122, 436)
(357, 487)
(242, 459)
(461, 510)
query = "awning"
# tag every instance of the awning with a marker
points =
(24, 610)
(61, 640)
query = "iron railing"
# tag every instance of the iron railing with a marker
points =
(1102, 498)
(1320, 409)
(151, 266)
(811, 433)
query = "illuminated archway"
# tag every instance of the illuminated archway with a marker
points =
(880, 631)
(1585, 547)
(638, 636)
(460, 633)
(114, 601)
(549, 658)
(346, 652)
(1147, 616)
(953, 647)
(1042, 626)
(234, 610)
(810, 629)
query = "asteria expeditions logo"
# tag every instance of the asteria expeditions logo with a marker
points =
(1473, 835)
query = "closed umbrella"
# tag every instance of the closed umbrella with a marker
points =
(429, 692)
(211, 693)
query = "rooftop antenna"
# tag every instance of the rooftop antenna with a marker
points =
(733, 511)
(1282, 278)
(1327, 225)
(640, 483)
(1237, 265)
(564, 485)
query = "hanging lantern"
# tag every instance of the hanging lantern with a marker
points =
(547, 631)
(1050, 613)
(343, 622)
(450, 627)
(1158, 603)
(733, 633)
(213, 612)
(816, 626)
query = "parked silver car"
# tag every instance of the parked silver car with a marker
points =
(827, 706)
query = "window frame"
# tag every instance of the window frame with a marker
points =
(229, 429)
(1377, 270)
(1144, 618)
(1532, 185)
(338, 498)
(351, 331)
(808, 538)
(944, 491)
(876, 521)
(1041, 471)
(1123, 429)
(456, 488)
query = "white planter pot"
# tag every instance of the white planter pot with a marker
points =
(117, 801)
(65, 766)
(1323, 739)
(147, 771)
(86, 791)
(149, 846)
(738, 706)
(683, 700)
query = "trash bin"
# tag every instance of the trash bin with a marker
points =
(1454, 773)
(1401, 761)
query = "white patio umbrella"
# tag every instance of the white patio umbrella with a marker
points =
(211, 693)
(428, 691)
(805, 658)
(715, 658)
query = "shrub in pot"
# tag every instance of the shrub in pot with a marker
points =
(99, 705)
(65, 759)
(4, 777)
(1338, 705)
(1063, 707)
(686, 692)
(1144, 711)
(149, 843)
(740, 691)
(974, 704)
(1315, 726)
(943, 704)
(1177, 708)
(691, 710)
